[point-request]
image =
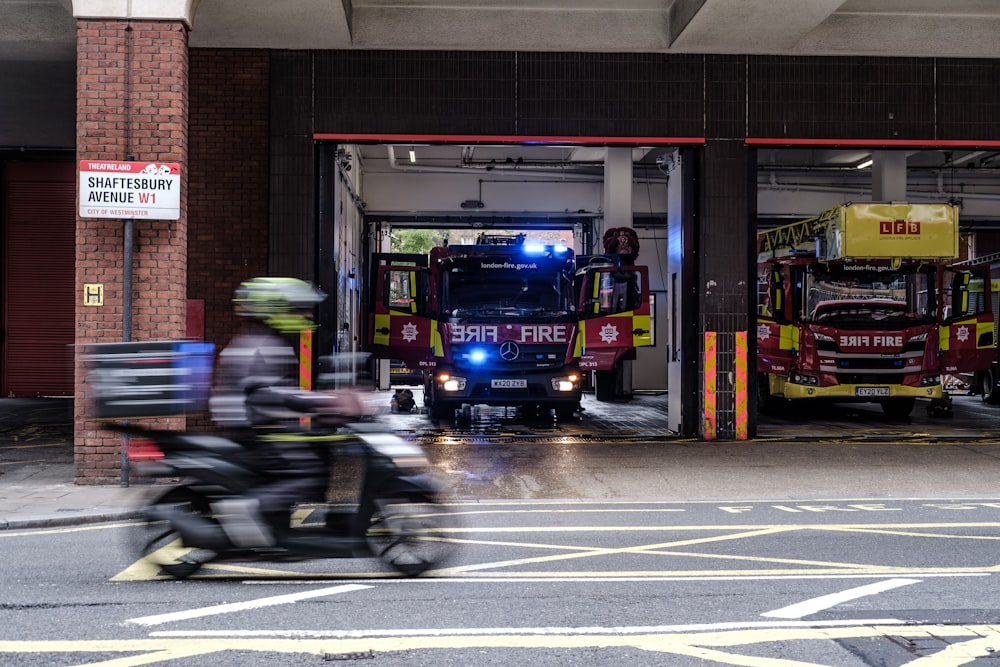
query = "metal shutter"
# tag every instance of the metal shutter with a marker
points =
(39, 206)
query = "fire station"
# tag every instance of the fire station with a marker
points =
(155, 153)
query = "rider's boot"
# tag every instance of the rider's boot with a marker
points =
(243, 522)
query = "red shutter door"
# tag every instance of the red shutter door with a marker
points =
(39, 207)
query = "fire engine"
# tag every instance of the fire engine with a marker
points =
(508, 323)
(863, 304)
(986, 382)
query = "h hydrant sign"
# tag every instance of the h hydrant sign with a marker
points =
(149, 190)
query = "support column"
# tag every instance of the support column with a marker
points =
(618, 187)
(726, 283)
(889, 176)
(132, 104)
(617, 213)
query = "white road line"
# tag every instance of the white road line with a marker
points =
(528, 579)
(242, 606)
(808, 607)
(550, 631)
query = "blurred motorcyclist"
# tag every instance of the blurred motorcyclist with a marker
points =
(257, 400)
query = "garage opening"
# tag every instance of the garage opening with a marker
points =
(413, 195)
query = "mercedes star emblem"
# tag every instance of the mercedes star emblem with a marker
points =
(508, 350)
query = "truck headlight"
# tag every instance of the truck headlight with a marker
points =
(450, 382)
(930, 380)
(567, 383)
(802, 378)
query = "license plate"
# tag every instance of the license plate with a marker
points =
(871, 391)
(399, 370)
(509, 384)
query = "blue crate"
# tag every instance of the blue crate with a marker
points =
(149, 378)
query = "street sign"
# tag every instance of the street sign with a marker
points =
(141, 190)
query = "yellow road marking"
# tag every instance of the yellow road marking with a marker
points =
(902, 533)
(978, 640)
(721, 526)
(147, 569)
(143, 570)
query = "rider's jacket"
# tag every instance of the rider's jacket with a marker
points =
(256, 382)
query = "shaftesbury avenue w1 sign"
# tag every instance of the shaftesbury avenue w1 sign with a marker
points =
(140, 190)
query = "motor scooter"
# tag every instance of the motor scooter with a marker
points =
(398, 516)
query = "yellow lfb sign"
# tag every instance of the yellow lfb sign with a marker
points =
(93, 294)
(885, 231)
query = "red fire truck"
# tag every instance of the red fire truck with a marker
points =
(862, 304)
(507, 322)
(986, 383)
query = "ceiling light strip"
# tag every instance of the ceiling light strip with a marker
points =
(872, 143)
(506, 139)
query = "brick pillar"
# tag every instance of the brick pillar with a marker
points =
(132, 103)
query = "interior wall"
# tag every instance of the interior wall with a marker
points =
(649, 371)
(680, 411)
(350, 262)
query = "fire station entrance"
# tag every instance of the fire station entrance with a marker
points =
(445, 191)
(473, 188)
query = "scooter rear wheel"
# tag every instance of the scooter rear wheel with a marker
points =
(164, 546)
(409, 534)
(167, 551)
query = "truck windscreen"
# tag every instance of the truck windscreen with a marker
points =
(837, 295)
(505, 293)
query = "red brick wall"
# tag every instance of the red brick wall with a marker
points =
(132, 101)
(228, 184)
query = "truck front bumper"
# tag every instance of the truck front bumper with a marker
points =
(861, 392)
(560, 386)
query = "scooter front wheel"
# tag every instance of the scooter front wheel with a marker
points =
(410, 534)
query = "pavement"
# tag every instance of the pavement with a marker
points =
(616, 451)
(36, 470)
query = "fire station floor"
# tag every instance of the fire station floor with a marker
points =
(611, 451)
(645, 417)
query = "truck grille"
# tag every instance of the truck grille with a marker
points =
(871, 368)
(909, 346)
(519, 357)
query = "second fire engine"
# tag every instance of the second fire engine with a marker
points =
(861, 304)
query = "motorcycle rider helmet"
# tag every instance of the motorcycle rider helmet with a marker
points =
(285, 304)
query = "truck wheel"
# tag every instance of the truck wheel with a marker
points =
(897, 408)
(605, 385)
(564, 413)
(439, 410)
(767, 403)
(988, 387)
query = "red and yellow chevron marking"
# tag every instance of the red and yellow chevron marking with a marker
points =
(305, 366)
(742, 416)
(710, 427)
(305, 358)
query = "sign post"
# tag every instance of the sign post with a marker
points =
(128, 191)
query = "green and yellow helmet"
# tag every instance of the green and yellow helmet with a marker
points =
(281, 303)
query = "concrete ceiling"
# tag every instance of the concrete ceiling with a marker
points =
(45, 29)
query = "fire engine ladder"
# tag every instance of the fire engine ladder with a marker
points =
(982, 259)
(794, 234)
